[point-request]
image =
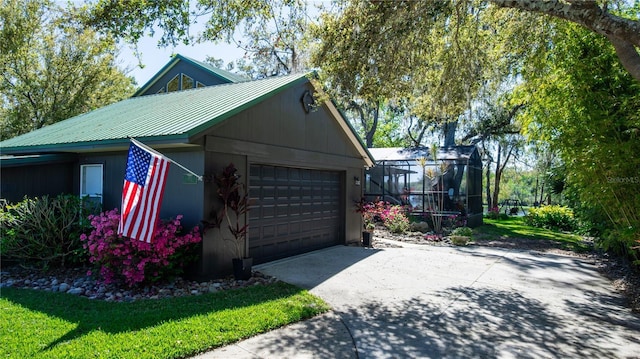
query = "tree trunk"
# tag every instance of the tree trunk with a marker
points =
(374, 125)
(369, 130)
(499, 170)
(488, 182)
(449, 131)
(496, 180)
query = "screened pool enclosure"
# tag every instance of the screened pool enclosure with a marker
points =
(449, 185)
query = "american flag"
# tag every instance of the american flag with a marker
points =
(142, 193)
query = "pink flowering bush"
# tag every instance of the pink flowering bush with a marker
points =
(119, 258)
(394, 218)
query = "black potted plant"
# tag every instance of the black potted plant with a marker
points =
(367, 210)
(235, 205)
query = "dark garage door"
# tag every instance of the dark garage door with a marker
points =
(293, 211)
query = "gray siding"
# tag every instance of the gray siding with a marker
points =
(179, 197)
(279, 132)
(281, 121)
(38, 180)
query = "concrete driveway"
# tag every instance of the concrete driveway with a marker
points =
(456, 302)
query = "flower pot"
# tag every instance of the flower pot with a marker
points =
(366, 239)
(242, 268)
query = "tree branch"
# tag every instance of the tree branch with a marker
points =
(623, 33)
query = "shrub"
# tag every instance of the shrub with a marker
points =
(462, 231)
(119, 258)
(551, 217)
(394, 218)
(493, 213)
(44, 230)
(459, 240)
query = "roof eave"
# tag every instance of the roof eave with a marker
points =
(351, 134)
(98, 146)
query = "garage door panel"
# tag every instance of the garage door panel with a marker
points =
(293, 211)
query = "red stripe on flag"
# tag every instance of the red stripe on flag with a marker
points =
(141, 204)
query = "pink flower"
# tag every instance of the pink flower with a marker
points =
(134, 262)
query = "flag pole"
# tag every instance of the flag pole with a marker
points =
(149, 149)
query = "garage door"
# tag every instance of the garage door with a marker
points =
(293, 211)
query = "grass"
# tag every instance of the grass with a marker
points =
(514, 227)
(37, 324)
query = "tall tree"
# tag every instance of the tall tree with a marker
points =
(52, 72)
(271, 32)
(587, 108)
(135, 18)
(427, 55)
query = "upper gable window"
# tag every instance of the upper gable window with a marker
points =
(187, 82)
(173, 84)
(200, 84)
(161, 90)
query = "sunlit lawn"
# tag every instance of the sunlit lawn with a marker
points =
(37, 324)
(514, 227)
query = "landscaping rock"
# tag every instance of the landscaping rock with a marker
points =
(76, 291)
(82, 285)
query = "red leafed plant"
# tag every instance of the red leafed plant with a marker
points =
(235, 204)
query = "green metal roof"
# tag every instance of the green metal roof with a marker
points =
(12, 161)
(170, 117)
(229, 76)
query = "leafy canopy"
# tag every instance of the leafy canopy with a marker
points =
(51, 70)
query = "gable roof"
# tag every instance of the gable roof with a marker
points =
(226, 76)
(171, 118)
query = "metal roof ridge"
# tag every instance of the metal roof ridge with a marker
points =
(228, 75)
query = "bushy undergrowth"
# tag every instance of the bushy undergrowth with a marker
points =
(133, 262)
(45, 231)
(551, 217)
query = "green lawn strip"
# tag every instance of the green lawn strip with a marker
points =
(514, 227)
(57, 325)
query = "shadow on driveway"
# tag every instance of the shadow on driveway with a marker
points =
(467, 302)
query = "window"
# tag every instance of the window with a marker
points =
(200, 84)
(187, 82)
(91, 182)
(173, 84)
(161, 90)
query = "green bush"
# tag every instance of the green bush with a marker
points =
(44, 230)
(459, 240)
(551, 217)
(462, 231)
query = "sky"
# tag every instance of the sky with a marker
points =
(155, 58)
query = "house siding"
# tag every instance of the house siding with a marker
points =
(180, 197)
(38, 180)
(279, 132)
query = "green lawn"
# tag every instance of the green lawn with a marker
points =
(514, 227)
(37, 324)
